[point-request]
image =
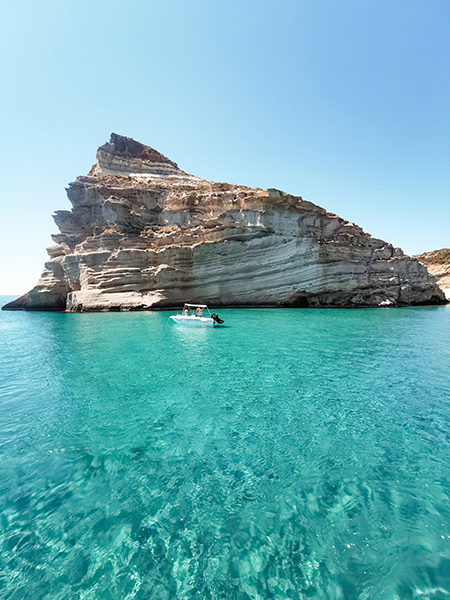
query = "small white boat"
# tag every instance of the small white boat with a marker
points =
(193, 315)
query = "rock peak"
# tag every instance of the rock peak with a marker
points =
(125, 156)
(125, 146)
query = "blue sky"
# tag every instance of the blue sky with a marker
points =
(344, 102)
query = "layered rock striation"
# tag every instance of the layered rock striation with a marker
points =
(142, 234)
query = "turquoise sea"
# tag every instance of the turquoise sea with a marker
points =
(290, 454)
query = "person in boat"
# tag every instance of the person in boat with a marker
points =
(186, 312)
(199, 312)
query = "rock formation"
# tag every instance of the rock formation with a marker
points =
(143, 234)
(438, 264)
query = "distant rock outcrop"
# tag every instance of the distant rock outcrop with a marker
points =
(438, 264)
(143, 234)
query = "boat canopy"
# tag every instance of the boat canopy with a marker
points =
(195, 306)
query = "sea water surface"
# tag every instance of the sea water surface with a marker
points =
(290, 454)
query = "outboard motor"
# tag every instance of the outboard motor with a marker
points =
(215, 317)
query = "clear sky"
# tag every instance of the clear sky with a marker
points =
(344, 102)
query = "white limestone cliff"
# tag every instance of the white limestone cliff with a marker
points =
(142, 234)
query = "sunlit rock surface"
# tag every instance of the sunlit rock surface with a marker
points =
(438, 264)
(143, 234)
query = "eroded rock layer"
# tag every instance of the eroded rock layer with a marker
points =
(143, 234)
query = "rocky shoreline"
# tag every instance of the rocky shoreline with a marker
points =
(144, 235)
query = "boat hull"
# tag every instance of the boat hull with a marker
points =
(192, 321)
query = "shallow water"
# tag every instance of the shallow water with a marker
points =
(291, 454)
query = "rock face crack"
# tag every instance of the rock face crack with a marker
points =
(142, 234)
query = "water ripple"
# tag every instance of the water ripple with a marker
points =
(304, 455)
